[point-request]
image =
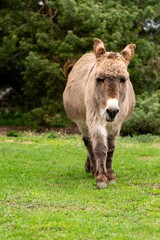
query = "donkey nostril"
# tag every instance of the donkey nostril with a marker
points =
(107, 111)
(117, 111)
(112, 113)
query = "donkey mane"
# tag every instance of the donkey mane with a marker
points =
(112, 55)
(68, 67)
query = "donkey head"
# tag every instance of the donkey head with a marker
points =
(111, 78)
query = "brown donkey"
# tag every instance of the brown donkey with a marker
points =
(98, 97)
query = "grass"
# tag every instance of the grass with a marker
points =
(46, 194)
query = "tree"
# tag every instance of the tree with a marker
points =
(37, 37)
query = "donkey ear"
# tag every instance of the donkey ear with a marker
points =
(98, 47)
(128, 52)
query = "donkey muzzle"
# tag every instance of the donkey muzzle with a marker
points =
(111, 114)
(112, 109)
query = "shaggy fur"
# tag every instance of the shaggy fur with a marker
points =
(98, 97)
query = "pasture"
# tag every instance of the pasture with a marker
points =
(46, 194)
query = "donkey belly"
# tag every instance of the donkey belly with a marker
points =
(130, 101)
(74, 105)
(74, 94)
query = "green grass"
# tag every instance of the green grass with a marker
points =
(46, 194)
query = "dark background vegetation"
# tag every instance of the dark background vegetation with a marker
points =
(38, 37)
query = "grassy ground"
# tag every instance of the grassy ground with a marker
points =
(46, 194)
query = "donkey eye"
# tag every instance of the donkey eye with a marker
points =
(100, 80)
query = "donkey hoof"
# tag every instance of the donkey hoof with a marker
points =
(101, 185)
(101, 182)
(111, 178)
(112, 181)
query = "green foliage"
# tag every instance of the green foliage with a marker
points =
(44, 117)
(146, 117)
(36, 41)
(41, 79)
(145, 138)
(14, 134)
(14, 117)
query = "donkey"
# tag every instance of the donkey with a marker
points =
(98, 97)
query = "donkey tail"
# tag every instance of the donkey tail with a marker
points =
(68, 67)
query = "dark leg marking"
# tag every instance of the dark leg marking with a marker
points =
(90, 165)
(100, 152)
(111, 147)
(87, 165)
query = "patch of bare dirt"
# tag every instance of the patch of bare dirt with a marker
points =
(7, 129)
(68, 130)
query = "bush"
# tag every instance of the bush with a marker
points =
(43, 117)
(146, 117)
(37, 39)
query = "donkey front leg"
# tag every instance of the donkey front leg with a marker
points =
(100, 152)
(111, 146)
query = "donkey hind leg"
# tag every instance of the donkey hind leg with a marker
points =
(111, 146)
(87, 165)
(90, 164)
